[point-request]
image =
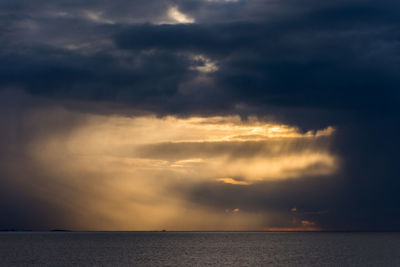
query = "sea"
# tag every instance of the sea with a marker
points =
(199, 249)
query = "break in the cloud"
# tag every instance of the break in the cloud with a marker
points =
(303, 69)
(82, 171)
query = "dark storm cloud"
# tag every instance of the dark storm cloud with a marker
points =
(311, 196)
(310, 64)
(328, 57)
(59, 73)
(288, 64)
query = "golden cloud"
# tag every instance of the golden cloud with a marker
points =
(116, 172)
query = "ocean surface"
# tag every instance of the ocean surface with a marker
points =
(199, 249)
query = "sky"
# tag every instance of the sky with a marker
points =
(200, 115)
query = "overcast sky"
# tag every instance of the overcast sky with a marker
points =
(199, 114)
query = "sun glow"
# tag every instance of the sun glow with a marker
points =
(209, 147)
(232, 181)
(126, 167)
(179, 17)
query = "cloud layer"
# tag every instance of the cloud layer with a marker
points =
(305, 66)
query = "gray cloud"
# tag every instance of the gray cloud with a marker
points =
(310, 64)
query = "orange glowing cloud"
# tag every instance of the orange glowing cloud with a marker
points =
(116, 172)
(232, 181)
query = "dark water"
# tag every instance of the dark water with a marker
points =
(199, 249)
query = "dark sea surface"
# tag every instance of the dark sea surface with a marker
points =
(199, 249)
